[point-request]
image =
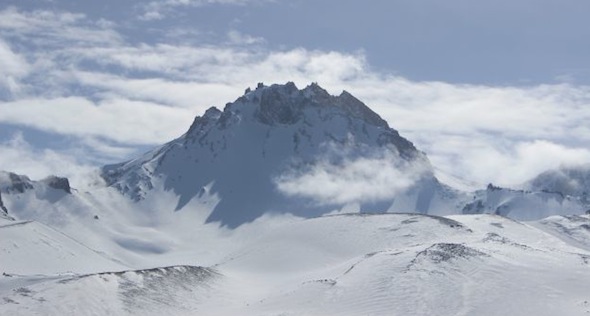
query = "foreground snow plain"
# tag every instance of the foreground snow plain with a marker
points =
(340, 264)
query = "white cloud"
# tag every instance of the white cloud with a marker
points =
(124, 121)
(196, 96)
(12, 64)
(459, 126)
(370, 178)
(13, 67)
(157, 10)
(20, 157)
(508, 163)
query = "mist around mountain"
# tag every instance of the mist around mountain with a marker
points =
(292, 201)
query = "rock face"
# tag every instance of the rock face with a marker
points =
(13, 182)
(3, 210)
(238, 153)
(58, 183)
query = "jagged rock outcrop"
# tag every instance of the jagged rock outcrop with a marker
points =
(13, 182)
(58, 183)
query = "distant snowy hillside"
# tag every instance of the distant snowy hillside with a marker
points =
(523, 204)
(568, 181)
(255, 156)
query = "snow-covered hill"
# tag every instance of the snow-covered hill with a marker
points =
(349, 264)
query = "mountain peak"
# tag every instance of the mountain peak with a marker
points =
(239, 153)
(287, 104)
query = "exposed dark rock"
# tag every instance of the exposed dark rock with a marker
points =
(443, 252)
(2, 207)
(58, 183)
(19, 183)
(475, 207)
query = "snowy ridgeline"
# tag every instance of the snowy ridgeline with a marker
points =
(282, 204)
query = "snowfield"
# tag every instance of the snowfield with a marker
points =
(348, 264)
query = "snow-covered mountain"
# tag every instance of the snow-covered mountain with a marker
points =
(324, 209)
(254, 154)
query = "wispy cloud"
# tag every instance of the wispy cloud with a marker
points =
(239, 38)
(44, 27)
(123, 121)
(157, 10)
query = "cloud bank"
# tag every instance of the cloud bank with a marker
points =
(367, 179)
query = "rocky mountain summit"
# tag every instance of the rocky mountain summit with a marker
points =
(241, 153)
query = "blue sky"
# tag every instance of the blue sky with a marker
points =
(481, 87)
(459, 41)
